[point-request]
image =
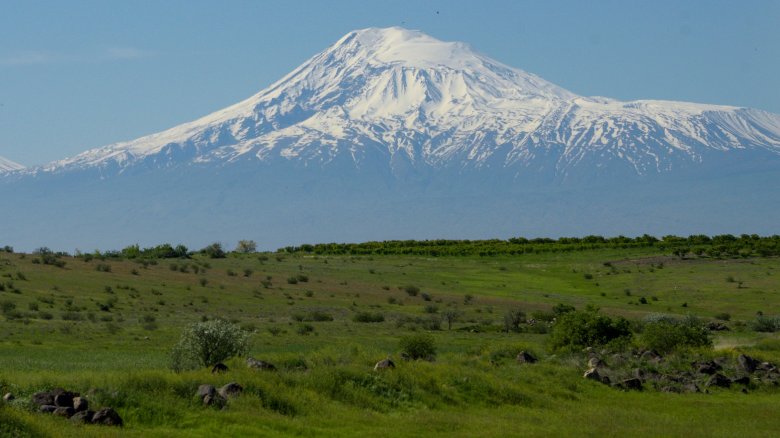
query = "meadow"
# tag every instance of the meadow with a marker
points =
(105, 327)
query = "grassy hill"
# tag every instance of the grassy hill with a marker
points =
(105, 327)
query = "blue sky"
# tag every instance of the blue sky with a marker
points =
(82, 74)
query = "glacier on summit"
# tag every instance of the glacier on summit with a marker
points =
(392, 134)
(440, 104)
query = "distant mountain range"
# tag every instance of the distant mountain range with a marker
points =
(390, 133)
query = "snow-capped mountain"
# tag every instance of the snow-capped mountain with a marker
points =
(392, 134)
(7, 165)
(401, 94)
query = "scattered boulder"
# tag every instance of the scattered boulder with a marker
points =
(44, 398)
(230, 390)
(595, 362)
(632, 383)
(83, 417)
(8, 397)
(650, 356)
(107, 417)
(64, 411)
(64, 400)
(526, 357)
(718, 380)
(744, 380)
(691, 387)
(219, 368)
(80, 404)
(593, 374)
(385, 364)
(717, 326)
(47, 409)
(747, 363)
(209, 396)
(260, 364)
(709, 368)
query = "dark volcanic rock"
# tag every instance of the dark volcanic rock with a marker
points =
(260, 364)
(64, 400)
(719, 380)
(385, 364)
(219, 368)
(83, 417)
(64, 411)
(43, 398)
(107, 417)
(747, 363)
(80, 404)
(230, 390)
(47, 409)
(526, 357)
(632, 383)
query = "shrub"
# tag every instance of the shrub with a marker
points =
(292, 280)
(723, 316)
(588, 328)
(419, 346)
(666, 336)
(203, 344)
(766, 324)
(214, 251)
(412, 290)
(561, 309)
(368, 317)
(513, 319)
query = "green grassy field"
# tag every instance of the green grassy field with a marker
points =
(105, 328)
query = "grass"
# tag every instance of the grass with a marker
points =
(111, 330)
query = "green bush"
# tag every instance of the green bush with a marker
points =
(203, 344)
(368, 317)
(766, 324)
(587, 328)
(419, 346)
(665, 336)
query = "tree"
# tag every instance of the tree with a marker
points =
(450, 316)
(204, 344)
(246, 246)
(513, 319)
(214, 251)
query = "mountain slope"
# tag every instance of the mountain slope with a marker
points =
(7, 165)
(392, 134)
(394, 94)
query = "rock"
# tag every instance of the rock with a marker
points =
(717, 326)
(83, 417)
(638, 373)
(204, 390)
(47, 409)
(64, 400)
(632, 383)
(747, 363)
(718, 380)
(744, 380)
(107, 417)
(214, 400)
(8, 397)
(593, 374)
(230, 390)
(219, 368)
(595, 362)
(385, 364)
(708, 368)
(44, 398)
(526, 357)
(691, 387)
(650, 356)
(260, 364)
(80, 404)
(64, 411)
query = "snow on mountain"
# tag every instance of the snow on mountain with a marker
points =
(403, 94)
(7, 165)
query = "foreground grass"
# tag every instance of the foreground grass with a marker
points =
(117, 354)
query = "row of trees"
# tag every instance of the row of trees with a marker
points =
(714, 246)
